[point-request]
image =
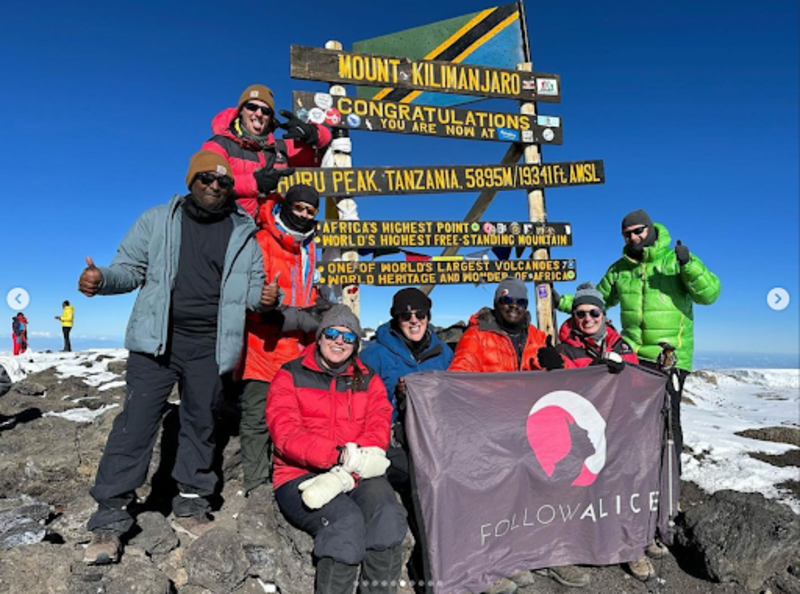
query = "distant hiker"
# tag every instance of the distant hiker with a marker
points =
(588, 338)
(244, 136)
(286, 237)
(66, 318)
(19, 333)
(655, 286)
(503, 339)
(404, 345)
(198, 267)
(329, 417)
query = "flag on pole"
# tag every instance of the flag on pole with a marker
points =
(492, 37)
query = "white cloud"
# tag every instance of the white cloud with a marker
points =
(42, 334)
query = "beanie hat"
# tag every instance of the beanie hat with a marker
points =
(302, 193)
(339, 315)
(259, 92)
(207, 161)
(637, 217)
(511, 286)
(586, 294)
(410, 299)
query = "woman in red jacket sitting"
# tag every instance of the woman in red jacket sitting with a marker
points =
(329, 419)
(587, 338)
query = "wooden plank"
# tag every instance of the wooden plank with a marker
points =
(371, 70)
(352, 113)
(434, 179)
(444, 272)
(410, 234)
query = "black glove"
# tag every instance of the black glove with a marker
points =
(549, 357)
(614, 362)
(682, 253)
(267, 179)
(297, 129)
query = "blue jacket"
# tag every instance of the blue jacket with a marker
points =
(141, 261)
(390, 358)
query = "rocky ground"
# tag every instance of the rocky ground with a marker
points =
(729, 543)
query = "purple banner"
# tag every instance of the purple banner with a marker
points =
(518, 471)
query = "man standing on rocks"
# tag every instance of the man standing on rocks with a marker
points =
(66, 318)
(199, 269)
(656, 286)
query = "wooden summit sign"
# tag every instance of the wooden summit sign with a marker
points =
(433, 179)
(338, 66)
(444, 272)
(400, 234)
(411, 118)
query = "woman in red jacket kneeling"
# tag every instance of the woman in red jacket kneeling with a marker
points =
(330, 419)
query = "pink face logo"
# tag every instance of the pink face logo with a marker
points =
(568, 437)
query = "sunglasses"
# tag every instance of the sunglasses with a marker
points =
(406, 316)
(304, 208)
(635, 231)
(208, 178)
(522, 302)
(254, 108)
(582, 313)
(347, 337)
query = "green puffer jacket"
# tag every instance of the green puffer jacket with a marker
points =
(656, 297)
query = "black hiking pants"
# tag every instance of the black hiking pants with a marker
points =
(65, 330)
(126, 459)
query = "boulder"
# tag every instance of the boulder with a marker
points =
(739, 537)
(216, 561)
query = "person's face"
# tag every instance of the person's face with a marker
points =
(304, 210)
(413, 324)
(512, 310)
(211, 190)
(256, 116)
(335, 344)
(635, 234)
(588, 318)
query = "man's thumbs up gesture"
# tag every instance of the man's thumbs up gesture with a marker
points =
(91, 279)
(270, 292)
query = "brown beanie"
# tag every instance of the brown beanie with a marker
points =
(207, 161)
(259, 92)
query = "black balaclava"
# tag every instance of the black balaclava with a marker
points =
(299, 193)
(639, 217)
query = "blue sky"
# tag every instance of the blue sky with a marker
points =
(693, 106)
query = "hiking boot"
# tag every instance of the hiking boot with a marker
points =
(642, 569)
(103, 549)
(656, 550)
(193, 526)
(567, 575)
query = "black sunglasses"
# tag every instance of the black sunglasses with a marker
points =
(635, 231)
(254, 108)
(582, 313)
(522, 302)
(405, 316)
(208, 178)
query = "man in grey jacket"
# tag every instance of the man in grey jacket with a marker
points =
(199, 268)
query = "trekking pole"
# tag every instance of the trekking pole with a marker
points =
(666, 362)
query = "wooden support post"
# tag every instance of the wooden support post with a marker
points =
(537, 213)
(345, 208)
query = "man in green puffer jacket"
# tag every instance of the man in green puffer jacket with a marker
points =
(656, 286)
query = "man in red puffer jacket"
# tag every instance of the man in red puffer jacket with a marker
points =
(244, 136)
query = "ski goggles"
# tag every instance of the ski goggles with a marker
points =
(347, 337)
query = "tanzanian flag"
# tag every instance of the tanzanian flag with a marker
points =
(493, 37)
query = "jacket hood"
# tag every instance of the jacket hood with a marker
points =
(662, 243)
(221, 124)
(567, 333)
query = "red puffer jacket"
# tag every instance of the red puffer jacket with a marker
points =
(245, 156)
(484, 347)
(581, 351)
(267, 347)
(310, 413)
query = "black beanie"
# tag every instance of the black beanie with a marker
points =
(410, 299)
(637, 217)
(302, 193)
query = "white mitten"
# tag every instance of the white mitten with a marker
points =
(321, 489)
(366, 462)
(338, 145)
